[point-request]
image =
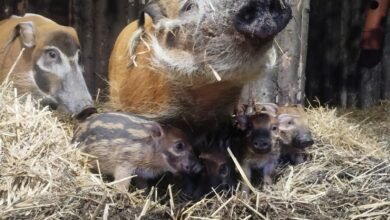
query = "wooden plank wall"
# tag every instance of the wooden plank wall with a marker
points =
(334, 74)
(333, 44)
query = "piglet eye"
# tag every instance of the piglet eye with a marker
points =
(290, 122)
(274, 127)
(52, 54)
(179, 146)
(224, 170)
(188, 7)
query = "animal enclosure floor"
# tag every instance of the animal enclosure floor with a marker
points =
(346, 176)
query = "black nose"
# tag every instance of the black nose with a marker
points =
(262, 19)
(306, 140)
(262, 144)
(53, 104)
(85, 113)
(193, 166)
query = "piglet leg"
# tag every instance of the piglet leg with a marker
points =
(122, 172)
(297, 158)
(268, 169)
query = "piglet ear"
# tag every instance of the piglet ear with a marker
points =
(27, 33)
(155, 129)
(251, 108)
(241, 122)
(284, 120)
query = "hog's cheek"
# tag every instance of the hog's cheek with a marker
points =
(172, 162)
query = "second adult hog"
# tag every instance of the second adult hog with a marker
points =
(126, 145)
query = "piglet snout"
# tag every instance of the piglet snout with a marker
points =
(86, 112)
(306, 140)
(262, 145)
(193, 165)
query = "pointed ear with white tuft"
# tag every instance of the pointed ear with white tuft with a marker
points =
(155, 130)
(26, 31)
(241, 122)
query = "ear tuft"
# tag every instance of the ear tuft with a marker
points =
(154, 10)
(241, 122)
(27, 33)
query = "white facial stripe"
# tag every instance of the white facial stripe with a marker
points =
(75, 58)
(60, 68)
(172, 151)
(181, 61)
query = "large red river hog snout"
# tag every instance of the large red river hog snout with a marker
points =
(188, 60)
(262, 19)
(50, 66)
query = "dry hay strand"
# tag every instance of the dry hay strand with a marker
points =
(346, 176)
(40, 171)
(375, 121)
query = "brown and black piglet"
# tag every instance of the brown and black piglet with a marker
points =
(218, 171)
(295, 134)
(256, 148)
(126, 145)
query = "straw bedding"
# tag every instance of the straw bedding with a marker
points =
(347, 175)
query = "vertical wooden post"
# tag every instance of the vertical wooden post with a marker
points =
(286, 82)
(84, 11)
(101, 33)
(385, 86)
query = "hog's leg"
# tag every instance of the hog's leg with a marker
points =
(141, 183)
(268, 169)
(297, 158)
(191, 186)
(121, 172)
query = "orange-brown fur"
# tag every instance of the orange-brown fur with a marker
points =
(140, 89)
(49, 67)
(164, 66)
(9, 51)
(143, 90)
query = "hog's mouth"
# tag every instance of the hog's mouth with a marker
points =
(302, 144)
(262, 19)
(261, 150)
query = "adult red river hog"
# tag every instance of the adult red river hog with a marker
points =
(188, 60)
(49, 65)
